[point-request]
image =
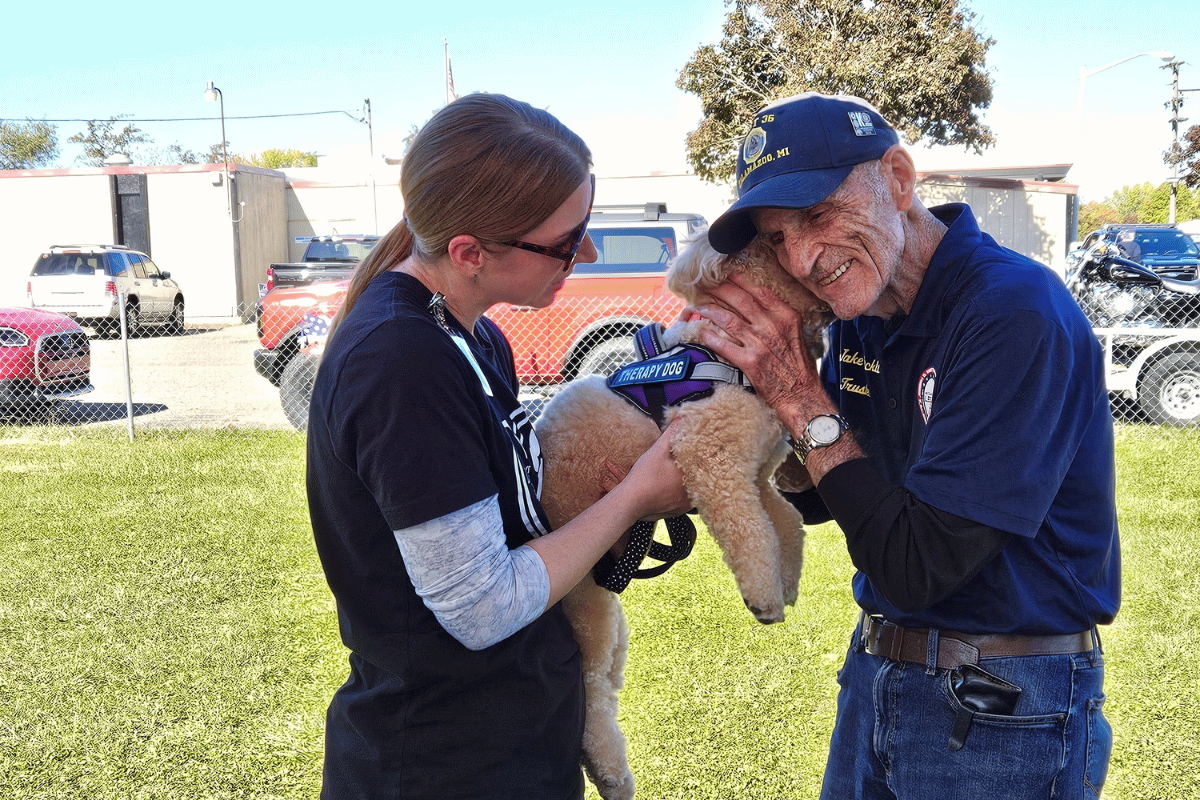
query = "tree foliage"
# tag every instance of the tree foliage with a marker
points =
(1140, 203)
(271, 158)
(29, 145)
(172, 154)
(920, 62)
(1187, 155)
(275, 158)
(102, 140)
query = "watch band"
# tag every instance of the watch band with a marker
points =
(806, 443)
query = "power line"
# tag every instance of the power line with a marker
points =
(188, 119)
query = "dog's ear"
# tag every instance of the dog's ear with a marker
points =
(694, 268)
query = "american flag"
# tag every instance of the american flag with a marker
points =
(451, 94)
(314, 327)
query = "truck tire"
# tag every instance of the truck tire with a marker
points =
(295, 389)
(607, 357)
(1170, 391)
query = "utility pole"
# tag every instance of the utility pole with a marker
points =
(371, 144)
(1174, 106)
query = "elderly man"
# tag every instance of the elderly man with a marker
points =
(959, 433)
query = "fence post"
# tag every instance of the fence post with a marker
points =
(125, 362)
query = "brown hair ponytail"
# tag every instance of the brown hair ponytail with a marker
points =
(395, 246)
(485, 165)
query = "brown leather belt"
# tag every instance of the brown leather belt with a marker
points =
(955, 649)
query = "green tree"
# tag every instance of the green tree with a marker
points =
(218, 152)
(271, 158)
(1140, 203)
(1187, 203)
(1130, 202)
(102, 140)
(1094, 215)
(29, 145)
(920, 62)
(1157, 205)
(274, 158)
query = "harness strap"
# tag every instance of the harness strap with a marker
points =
(720, 371)
(615, 574)
(648, 340)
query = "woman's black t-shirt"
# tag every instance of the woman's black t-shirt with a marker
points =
(404, 429)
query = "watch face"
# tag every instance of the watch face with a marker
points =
(824, 430)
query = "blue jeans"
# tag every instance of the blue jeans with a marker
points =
(894, 722)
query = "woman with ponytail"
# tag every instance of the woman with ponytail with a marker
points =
(423, 478)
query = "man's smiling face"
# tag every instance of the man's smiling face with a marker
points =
(847, 249)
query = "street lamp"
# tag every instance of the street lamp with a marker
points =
(1084, 74)
(212, 93)
(366, 118)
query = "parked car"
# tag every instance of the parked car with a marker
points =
(1163, 248)
(43, 357)
(85, 282)
(586, 330)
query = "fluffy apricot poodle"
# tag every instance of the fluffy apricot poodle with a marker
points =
(728, 447)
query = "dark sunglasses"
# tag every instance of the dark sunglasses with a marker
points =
(567, 256)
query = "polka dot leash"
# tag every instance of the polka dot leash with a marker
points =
(615, 574)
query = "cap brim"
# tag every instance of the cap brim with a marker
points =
(734, 229)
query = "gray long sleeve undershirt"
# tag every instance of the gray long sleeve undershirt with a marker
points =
(479, 590)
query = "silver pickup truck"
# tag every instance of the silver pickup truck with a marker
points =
(326, 258)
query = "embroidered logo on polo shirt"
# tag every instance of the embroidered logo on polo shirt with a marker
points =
(925, 387)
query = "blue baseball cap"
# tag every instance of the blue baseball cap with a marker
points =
(800, 149)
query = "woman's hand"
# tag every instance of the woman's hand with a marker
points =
(652, 489)
(655, 483)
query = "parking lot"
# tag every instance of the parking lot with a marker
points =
(202, 379)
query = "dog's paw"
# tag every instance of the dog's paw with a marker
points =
(768, 614)
(613, 788)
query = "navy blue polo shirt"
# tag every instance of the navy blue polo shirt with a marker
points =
(988, 401)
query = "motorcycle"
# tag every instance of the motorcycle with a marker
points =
(1150, 325)
(1115, 292)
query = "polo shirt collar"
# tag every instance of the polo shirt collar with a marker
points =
(934, 298)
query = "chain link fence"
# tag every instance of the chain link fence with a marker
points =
(56, 375)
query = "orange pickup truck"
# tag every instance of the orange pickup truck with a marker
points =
(586, 330)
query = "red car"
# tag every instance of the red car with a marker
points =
(43, 357)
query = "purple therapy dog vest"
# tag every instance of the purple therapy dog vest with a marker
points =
(665, 378)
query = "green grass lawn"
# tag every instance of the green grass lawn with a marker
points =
(165, 632)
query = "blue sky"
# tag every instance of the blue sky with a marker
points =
(608, 73)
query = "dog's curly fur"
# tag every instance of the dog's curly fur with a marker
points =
(727, 447)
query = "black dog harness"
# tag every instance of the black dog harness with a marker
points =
(663, 378)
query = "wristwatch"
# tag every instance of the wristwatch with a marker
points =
(821, 431)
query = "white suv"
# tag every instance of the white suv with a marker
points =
(86, 281)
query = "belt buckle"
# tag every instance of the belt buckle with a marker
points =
(870, 634)
(874, 629)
